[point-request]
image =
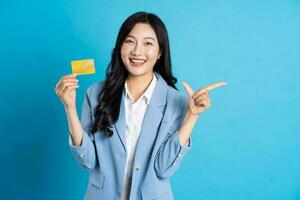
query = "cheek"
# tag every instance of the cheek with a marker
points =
(153, 54)
(124, 53)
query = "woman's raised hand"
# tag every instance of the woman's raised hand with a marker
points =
(199, 100)
(65, 90)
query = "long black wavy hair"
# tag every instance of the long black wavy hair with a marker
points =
(107, 111)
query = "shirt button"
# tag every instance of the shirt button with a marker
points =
(137, 167)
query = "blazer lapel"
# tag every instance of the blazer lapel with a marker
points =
(153, 116)
(120, 124)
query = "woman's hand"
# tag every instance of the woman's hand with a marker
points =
(65, 90)
(199, 100)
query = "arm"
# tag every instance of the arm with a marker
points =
(198, 102)
(81, 140)
(172, 151)
(75, 128)
(186, 128)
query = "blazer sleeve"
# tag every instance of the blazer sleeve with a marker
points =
(85, 154)
(171, 152)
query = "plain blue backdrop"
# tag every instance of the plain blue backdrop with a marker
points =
(246, 146)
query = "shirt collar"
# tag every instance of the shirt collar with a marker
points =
(147, 94)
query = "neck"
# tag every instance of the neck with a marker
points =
(137, 85)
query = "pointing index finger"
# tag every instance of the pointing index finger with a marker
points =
(214, 86)
(209, 88)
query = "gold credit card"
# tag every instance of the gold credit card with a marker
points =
(85, 66)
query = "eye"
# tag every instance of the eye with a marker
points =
(149, 43)
(128, 41)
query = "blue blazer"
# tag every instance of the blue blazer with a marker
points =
(158, 152)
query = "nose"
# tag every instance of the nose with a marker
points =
(137, 50)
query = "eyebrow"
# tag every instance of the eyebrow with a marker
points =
(145, 37)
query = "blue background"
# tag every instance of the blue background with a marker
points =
(245, 146)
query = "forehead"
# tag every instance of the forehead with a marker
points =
(142, 30)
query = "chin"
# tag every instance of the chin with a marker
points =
(137, 71)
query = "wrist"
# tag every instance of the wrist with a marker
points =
(190, 117)
(70, 108)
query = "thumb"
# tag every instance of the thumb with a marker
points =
(188, 89)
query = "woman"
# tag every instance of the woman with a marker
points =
(135, 126)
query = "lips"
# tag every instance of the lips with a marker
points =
(137, 62)
(134, 60)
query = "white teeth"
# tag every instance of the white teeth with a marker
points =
(137, 61)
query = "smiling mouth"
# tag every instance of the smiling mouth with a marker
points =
(137, 62)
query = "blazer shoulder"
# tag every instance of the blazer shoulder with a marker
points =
(92, 93)
(94, 89)
(176, 96)
(177, 100)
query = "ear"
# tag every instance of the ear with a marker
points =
(159, 55)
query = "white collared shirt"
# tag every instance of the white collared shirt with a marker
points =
(134, 113)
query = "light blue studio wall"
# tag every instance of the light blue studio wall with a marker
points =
(246, 146)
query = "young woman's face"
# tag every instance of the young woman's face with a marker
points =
(140, 50)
